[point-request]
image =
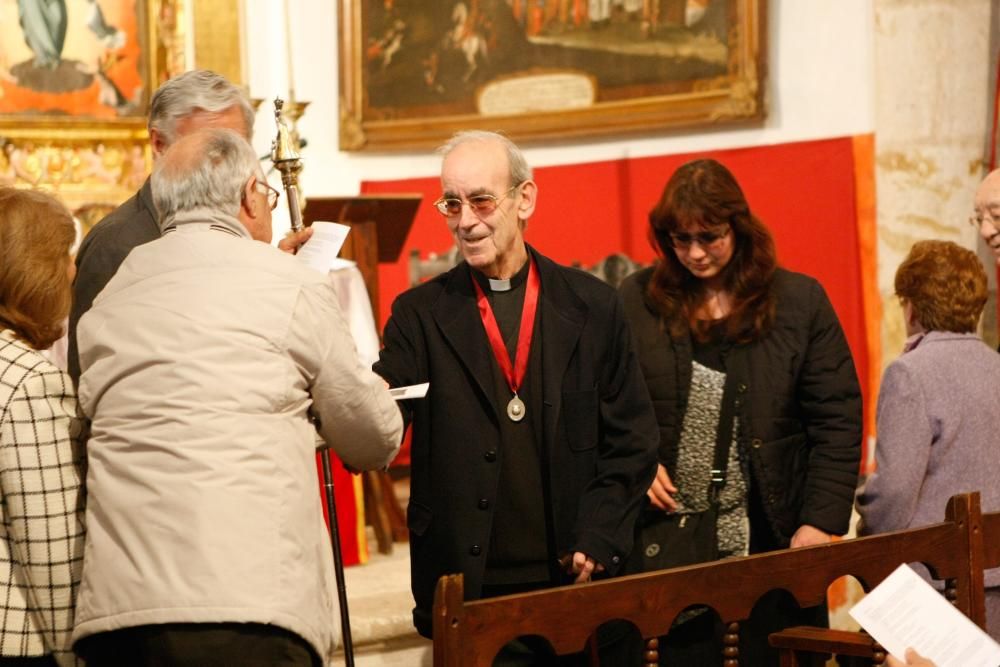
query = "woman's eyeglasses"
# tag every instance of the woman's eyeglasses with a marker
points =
(482, 204)
(707, 240)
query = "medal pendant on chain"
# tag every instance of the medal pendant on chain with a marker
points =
(515, 409)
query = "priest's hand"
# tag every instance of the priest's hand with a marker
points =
(584, 567)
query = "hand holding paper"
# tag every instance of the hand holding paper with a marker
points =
(294, 240)
(321, 250)
(904, 611)
(913, 659)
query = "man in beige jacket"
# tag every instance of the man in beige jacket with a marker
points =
(208, 363)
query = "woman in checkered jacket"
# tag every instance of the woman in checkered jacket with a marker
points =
(41, 513)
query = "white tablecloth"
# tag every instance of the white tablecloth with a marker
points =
(357, 308)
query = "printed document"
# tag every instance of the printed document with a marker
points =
(904, 611)
(321, 250)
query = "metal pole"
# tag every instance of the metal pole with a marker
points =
(338, 563)
(286, 158)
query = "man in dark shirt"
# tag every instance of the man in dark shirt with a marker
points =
(188, 102)
(536, 441)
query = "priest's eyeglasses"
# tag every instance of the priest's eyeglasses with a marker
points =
(481, 204)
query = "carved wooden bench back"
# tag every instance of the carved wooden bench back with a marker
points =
(612, 269)
(991, 540)
(435, 264)
(469, 634)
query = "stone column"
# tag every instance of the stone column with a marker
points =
(932, 84)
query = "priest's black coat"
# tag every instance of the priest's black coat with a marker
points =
(599, 435)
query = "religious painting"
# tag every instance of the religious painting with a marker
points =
(76, 77)
(75, 58)
(415, 71)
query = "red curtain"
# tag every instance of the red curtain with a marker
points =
(817, 197)
(350, 517)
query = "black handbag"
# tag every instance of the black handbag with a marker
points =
(672, 540)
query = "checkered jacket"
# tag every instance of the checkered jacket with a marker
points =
(41, 512)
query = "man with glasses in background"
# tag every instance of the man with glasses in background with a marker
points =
(986, 217)
(986, 214)
(536, 442)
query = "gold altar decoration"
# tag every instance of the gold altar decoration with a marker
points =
(287, 159)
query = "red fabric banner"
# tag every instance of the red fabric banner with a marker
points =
(815, 196)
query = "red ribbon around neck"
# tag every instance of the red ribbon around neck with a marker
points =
(514, 373)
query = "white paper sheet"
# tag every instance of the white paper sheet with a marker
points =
(412, 391)
(905, 611)
(321, 250)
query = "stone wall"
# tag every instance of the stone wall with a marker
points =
(932, 84)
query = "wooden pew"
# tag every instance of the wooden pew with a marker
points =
(469, 634)
(991, 540)
(802, 646)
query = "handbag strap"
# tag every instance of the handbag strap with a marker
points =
(723, 438)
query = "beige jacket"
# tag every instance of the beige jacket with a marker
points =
(202, 360)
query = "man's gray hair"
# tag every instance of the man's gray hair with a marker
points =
(205, 169)
(519, 169)
(192, 91)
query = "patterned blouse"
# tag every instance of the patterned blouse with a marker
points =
(41, 514)
(694, 463)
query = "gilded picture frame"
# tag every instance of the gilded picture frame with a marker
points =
(75, 85)
(413, 72)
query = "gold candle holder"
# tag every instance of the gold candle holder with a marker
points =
(286, 157)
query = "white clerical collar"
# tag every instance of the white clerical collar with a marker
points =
(499, 285)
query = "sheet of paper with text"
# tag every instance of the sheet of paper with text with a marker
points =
(904, 611)
(321, 250)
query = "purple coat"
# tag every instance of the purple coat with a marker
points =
(938, 429)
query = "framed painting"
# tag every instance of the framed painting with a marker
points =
(413, 72)
(76, 78)
(81, 59)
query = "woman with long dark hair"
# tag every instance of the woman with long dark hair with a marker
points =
(746, 363)
(41, 516)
